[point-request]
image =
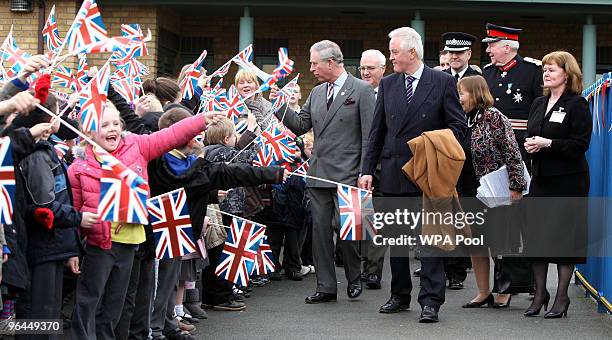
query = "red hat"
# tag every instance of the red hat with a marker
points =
(497, 33)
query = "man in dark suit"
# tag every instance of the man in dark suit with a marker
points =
(459, 47)
(340, 113)
(411, 101)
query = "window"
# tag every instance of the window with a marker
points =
(192, 47)
(431, 52)
(168, 48)
(174, 52)
(604, 59)
(351, 50)
(266, 55)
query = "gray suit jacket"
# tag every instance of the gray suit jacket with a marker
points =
(341, 134)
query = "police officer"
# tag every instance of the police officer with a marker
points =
(514, 82)
(459, 47)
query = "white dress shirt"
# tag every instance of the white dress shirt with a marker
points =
(339, 83)
(461, 73)
(417, 76)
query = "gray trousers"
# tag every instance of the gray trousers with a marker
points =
(325, 219)
(162, 318)
(374, 258)
(101, 289)
(135, 319)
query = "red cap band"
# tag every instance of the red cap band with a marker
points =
(502, 35)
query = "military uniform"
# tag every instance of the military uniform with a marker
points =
(515, 85)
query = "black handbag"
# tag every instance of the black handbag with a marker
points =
(513, 275)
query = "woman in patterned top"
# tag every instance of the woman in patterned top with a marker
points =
(490, 143)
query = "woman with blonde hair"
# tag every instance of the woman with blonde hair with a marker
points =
(489, 145)
(558, 136)
(246, 83)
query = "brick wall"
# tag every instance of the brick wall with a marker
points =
(146, 16)
(27, 33)
(537, 38)
(25, 25)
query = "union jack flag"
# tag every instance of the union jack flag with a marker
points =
(93, 97)
(189, 83)
(263, 157)
(302, 169)
(60, 95)
(222, 71)
(124, 85)
(62, 77)
(171, 224)
(7, 181)
(282, 96)
(87, 27)
(355, 205)
(134, 68)
(134, 32)
(51, 33)
(279, 143)
(123, 194)
(284, 68)
(213, 99)
(14, 55)
(121, 46)
(234, 104)
(60, 146)
(244, 58)
(81, 75)
(264, 263)
(240, 251)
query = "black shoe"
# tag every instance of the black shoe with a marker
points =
(353, 290)
(489, 300)
(533, 311)
(294, 276)
(455, 284)
(238, 297)
(555, 315)
(373, 281)
(276, 276)
(503, 305)
(394, 305)
(320, 297)
(364, 277)
(230, 306)
(417, 272)
(428, 315)
(178, 335)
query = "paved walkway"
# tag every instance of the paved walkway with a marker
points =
(278, 311)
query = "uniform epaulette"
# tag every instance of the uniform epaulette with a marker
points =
(487, 65)
(533, 61)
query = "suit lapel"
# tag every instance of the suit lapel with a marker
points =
(423, 89)
(345, 92)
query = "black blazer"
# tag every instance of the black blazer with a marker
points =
(469, 72)
(570, 138)
(435, 105)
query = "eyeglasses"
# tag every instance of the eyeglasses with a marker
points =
(369, 68)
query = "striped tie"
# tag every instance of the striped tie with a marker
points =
(409, 80)
(330, 94)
